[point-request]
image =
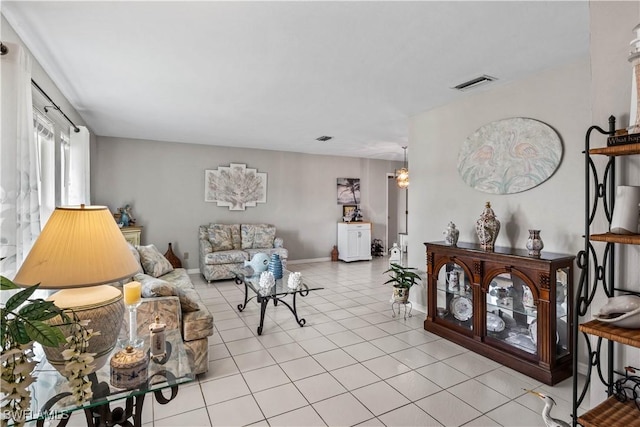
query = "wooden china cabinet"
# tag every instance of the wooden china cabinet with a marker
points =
(504, 304)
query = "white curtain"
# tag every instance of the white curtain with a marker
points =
(79, 167)
(19, 204)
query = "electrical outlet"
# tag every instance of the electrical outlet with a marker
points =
(186, 255)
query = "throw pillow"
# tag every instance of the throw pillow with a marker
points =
(220, 237)
(265, 234)
(247, 231)
(235, 236)
(136, 255)
(188, 301)
(153, 262)
(154, 287)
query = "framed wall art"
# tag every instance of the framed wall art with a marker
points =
(348, 211)
(235, 186)
(509, 156)
(348, 191)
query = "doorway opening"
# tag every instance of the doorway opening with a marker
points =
(397, 215)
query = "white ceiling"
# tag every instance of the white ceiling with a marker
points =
(277, 75)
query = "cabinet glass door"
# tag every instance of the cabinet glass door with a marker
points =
(454, 296)
(562, 312)
(511, 313)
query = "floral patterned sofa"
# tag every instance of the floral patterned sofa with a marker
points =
(225, 247)
(169, 294)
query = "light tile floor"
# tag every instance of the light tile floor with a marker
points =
(351, 364)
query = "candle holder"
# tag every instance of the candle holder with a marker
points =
(132, 299)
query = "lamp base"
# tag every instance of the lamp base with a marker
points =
(104, 306)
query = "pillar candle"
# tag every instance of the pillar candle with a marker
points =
(132, 291)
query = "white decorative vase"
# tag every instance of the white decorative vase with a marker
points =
(626, 213)
(534, 243)
(451, 234)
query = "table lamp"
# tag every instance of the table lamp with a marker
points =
(78, 252)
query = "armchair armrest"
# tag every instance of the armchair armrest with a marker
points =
(205, 247)
(278, 242)
(167, 308)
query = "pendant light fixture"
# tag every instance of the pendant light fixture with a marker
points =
(402, 174)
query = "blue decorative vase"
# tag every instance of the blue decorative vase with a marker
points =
(275, 266)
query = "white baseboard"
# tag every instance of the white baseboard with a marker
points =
(419, 307)
(289, 262)
(305, 261)
(582, 368)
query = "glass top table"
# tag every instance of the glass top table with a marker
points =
(277, 293)
(51, 396)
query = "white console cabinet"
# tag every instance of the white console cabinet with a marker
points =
(354, 241)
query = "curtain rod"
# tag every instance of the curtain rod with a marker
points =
(75, 128)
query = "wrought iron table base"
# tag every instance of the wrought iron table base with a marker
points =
(263, 300)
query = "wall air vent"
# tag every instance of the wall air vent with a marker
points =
(323, 138)
(474, 83)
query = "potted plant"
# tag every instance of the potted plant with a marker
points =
(23, 321)
(403, 278)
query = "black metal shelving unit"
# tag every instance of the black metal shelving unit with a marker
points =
(598, 273)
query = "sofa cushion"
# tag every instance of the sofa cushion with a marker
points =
(220, 237)
(257, 235)
(153, 262)
(236, 236)
(179, 278)
(154, 287)
(226, 257)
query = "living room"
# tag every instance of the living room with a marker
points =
(163, 180)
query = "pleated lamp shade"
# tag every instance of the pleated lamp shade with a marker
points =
(80, 251)
(79, 247)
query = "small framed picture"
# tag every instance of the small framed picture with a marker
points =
(348, 211)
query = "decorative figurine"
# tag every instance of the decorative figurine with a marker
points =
(546, 412)
(395, 254)
(259, 262)
(487, 228)
(454, 281)
(266, 280)
(126, 218)
(451, 234)
(295, 280)
(158, 340)
(357, 215)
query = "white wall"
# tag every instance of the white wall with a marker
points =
(611, 31)
(557, 97)
(570, 99)
(164, 183)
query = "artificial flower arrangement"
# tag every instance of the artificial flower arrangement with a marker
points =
(23, 322)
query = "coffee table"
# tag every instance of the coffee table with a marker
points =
(277, 293)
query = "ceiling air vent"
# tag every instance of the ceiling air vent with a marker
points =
(323, 138)
(474, 83)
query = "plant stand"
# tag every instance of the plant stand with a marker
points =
(402, 304)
